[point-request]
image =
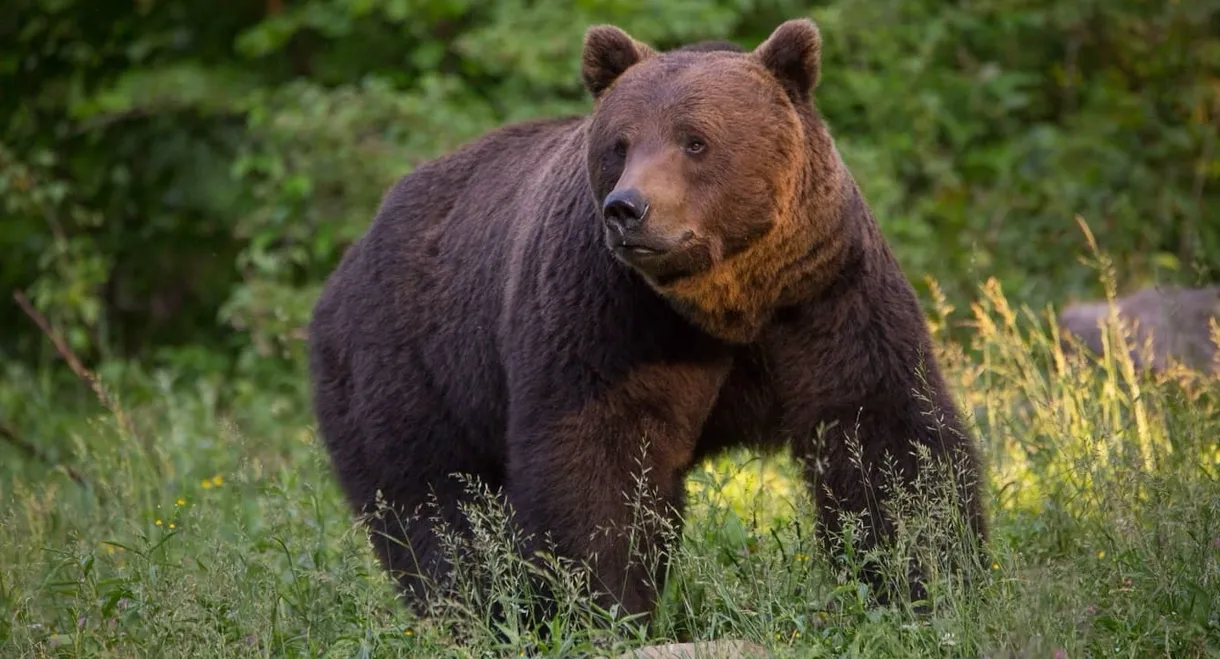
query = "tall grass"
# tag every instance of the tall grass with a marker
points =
(221, 532)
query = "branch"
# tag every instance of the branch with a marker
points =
(75, 364)
(34, 453)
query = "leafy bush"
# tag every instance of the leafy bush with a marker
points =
(177, 181)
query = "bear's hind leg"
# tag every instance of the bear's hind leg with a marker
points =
(408, 472)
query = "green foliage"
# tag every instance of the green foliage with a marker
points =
(176, 178)
(1000, 121)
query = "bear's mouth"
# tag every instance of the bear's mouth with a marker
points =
(637, 246)
(640, 244)
(636, 249)
(660, 260)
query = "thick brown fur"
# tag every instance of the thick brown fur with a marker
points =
(500, 319)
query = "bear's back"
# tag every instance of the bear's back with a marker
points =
(422, 292)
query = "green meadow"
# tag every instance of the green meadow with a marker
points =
(189, 527)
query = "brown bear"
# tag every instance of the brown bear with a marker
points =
(689, 268)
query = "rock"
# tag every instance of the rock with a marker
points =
(705, 650)
(1176, 319)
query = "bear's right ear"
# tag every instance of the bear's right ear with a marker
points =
(608, 53)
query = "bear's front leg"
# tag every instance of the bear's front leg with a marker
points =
(580, 447)
(863, 403)
(855, 456)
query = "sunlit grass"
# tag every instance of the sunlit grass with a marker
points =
(221, 532)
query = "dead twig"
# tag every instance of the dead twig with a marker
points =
(62, 348)
(35, 453)
(66, 353)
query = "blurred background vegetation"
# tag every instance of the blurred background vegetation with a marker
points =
(177, 177)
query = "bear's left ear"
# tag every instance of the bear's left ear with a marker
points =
(793, 54)
(608, 53)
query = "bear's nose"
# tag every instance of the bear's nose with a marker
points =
(625, 209)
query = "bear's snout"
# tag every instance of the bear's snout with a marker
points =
(624, 212)
(633, 240)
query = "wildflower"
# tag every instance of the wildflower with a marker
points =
(180, 501)
(995, 566)
(1101, 554)
(408, 632)
(158, 522)
(218, 480)
(802, 557)
(172, 525)
(205, 484)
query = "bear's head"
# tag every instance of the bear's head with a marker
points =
(712, 170)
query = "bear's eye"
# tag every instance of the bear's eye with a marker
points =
(695, 145)
(620, 147)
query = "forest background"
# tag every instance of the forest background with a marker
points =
(177, 178)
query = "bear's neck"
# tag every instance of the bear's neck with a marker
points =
(796, 261)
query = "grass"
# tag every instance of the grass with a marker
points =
(210, 525)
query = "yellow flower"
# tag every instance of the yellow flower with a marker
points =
(158, 522)
(995, 566)
(218, 480)
(171, 525)
(181, 501)
(1101, 554)
(408, 632)
(205, 484)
